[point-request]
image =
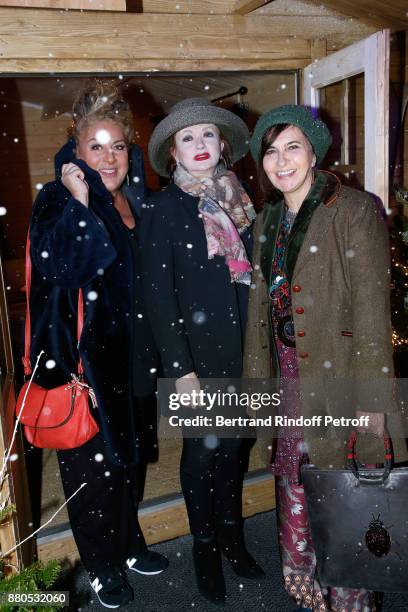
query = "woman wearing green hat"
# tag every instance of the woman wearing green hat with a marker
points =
(319, 313)
(197, 237)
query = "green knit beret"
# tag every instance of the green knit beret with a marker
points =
(315, 130)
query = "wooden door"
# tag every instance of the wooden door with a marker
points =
(371, 57)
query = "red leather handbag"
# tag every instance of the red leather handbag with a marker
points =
(57, 418)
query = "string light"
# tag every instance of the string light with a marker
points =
(400, 342)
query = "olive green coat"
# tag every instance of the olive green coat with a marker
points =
(337, 262)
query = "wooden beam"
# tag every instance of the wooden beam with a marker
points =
(378, 13)
(192, 7)
(318, 48)
(164, 521)
(41, 41)
(107, 67)
(243, 7)
(376, 115)
(345, 122)
(86, 5)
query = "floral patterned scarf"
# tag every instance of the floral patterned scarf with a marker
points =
(227, 212)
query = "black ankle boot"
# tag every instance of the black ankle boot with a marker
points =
(208, 569)
(230, 537)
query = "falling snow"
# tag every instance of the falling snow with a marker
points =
(199, 317)
(210, 442)
(102, 136)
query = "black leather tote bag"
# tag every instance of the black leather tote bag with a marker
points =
(359, 523)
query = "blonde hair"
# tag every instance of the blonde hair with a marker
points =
(101, 101)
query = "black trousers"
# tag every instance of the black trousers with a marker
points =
(211, 481)
(103, 515)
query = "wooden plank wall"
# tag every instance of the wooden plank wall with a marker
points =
(88, 5)
(379, 13)
(39, 41)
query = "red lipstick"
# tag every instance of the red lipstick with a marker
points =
(202, 156)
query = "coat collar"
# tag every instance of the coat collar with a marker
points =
(324, 190)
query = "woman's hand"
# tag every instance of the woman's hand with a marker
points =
(189, 384)
(376, 423)
(73, 179)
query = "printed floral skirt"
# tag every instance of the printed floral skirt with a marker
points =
(295, 542)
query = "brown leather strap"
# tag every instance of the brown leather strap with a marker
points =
(27, 338)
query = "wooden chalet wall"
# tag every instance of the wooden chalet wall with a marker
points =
(41, 41)
(86, 5)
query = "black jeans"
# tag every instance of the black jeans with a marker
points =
(211, 481)
(103, 515)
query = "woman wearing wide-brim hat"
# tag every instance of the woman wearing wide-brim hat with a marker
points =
(319, 322)
(197, 241)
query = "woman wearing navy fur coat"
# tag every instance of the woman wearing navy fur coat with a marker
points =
(84, 235)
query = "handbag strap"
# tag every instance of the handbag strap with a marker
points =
(27, 336)
(353, 464)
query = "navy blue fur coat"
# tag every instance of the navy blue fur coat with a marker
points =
(73, 246)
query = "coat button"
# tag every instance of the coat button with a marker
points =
(301, 333)
(303, 355)
(296, 288)
(300, 310)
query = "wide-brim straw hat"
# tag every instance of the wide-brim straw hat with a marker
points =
(193, 111)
